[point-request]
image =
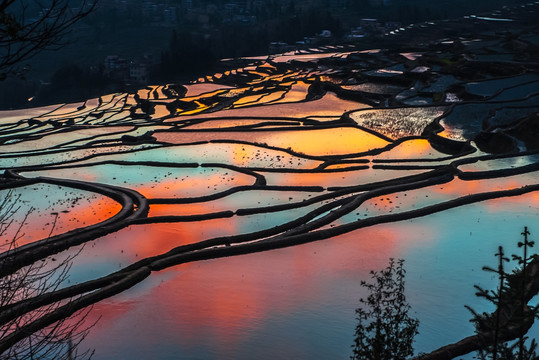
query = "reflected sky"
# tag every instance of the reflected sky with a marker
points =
(301, 300)
(273, 155)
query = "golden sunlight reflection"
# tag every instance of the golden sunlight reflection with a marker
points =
(329, 105)
(338, 141)
(248, 100)
(272, 97)
(231, 123)
(298, 91)
(318, 142)
(411, 149)
(288, 148)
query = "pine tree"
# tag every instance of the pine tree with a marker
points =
(511, 289)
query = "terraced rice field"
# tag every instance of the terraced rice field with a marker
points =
(236, 216)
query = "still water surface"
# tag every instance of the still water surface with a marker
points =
(299, 302)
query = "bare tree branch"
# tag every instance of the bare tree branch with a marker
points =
(55, 339)
(21, 37)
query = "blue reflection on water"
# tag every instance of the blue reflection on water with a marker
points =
(308, 312)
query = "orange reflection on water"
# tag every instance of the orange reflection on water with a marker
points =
(251, 156)
(461, 187)
(188, 209)
(222, 303)
(466, 187)
(65, 217)
(120, 249)
(340, 178)
(296, 93)
(329, 105)
(155, 239)
(335, 141)
(531, 200)
(328, 179)
(195, 185)
(412, 149)
(198, 89)
(339, 141)
(231, 123)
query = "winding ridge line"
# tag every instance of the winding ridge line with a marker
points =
(323, 204)
(123, 279)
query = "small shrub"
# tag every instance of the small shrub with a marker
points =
(385, 331)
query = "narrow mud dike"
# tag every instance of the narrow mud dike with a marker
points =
(295, 148)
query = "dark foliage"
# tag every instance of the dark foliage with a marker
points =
(510, 295)
(20, 338)
(23, 36)
(385, 331)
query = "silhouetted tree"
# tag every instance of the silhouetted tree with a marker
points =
(21, 338)
(23, 36)
(511, 290)
(385, 331)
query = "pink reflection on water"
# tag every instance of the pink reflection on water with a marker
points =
(222, 304)
(192, 186)
(461, 187)
(137, 242)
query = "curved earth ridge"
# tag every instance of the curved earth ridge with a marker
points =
(379, 125)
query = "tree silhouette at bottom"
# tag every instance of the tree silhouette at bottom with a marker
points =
(385, 331)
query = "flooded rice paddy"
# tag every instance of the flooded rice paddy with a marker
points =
(235, 217)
